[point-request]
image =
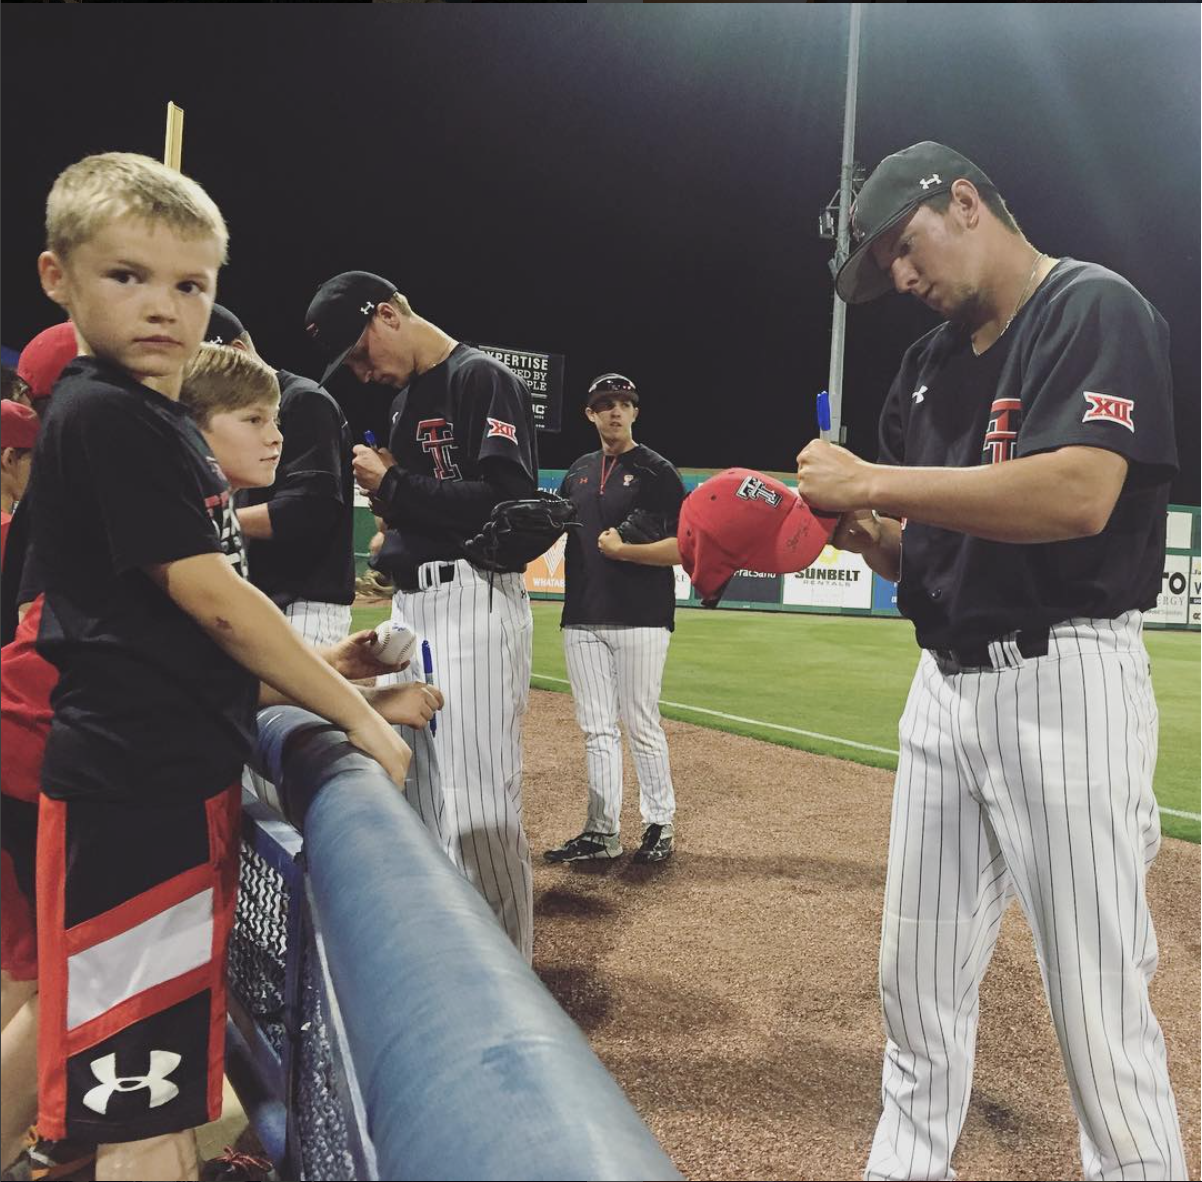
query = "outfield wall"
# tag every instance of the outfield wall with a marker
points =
(838, 583)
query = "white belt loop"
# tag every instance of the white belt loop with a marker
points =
(423, 576)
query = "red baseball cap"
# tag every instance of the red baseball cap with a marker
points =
(744, 520)
(18, 425)
(43, 359)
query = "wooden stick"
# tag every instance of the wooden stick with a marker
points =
(173, 150)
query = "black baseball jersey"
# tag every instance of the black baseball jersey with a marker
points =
(311, 551)
(463, 437)
(147, 706)
(605, 489)
(1085, 363)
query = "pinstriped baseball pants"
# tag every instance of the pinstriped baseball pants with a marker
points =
(465, 782)
(319, 623)
(1030, 780)
(617, 673)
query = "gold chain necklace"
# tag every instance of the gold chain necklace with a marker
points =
(1021, 300)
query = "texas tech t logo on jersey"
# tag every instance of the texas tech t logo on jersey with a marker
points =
(754, 489)
(437, 438)
(1110, 409)
(1005, 418)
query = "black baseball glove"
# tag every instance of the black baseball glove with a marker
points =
(642, 527)
(517, 532)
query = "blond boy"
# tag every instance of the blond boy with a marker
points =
(160, 647)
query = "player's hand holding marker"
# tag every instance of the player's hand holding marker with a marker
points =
(832, 478)
(370, 463)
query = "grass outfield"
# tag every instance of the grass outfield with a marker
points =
(837, 686)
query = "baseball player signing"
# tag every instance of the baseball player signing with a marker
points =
(1026, 448)
(462, 441)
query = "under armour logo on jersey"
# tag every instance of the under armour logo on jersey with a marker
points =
(162, 1064)
(502, 430)
(1001, 436)
(754, 489)
(933, 179)
(437, 438)
(1110, 409)
(918, 394)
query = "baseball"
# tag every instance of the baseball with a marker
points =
(395, 643)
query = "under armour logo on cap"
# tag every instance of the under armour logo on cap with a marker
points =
(367, 308)
(933, 179)
(162, 1064)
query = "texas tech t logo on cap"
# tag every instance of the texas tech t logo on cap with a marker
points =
(754, 489)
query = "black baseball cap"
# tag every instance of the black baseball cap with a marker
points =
(340, 310)
(899, 185)
(224, 326)
(611, 385)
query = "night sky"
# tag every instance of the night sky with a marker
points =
(634, 186)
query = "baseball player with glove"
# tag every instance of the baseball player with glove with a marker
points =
(462, 442)
(618, 615)
(1026, 448)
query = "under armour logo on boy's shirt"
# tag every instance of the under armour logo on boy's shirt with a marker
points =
(162, 1064)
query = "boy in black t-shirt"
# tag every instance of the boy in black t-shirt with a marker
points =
(159, 646)
(300, 527)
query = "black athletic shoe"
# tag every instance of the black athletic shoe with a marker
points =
(657, 844)
(45, 1161)
(588, 847)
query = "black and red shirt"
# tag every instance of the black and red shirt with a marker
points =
(147, 707)
(463, 437)
(606, 591)
(1084, 364)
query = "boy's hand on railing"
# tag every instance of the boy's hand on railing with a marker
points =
(376, 737)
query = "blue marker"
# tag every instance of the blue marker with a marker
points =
(370, 438)
(428, 669)
(824, 416)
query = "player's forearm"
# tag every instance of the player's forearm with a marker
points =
(665, 552)
(253, 631)
(255, 521)
(1050, 497)
(406, 498)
